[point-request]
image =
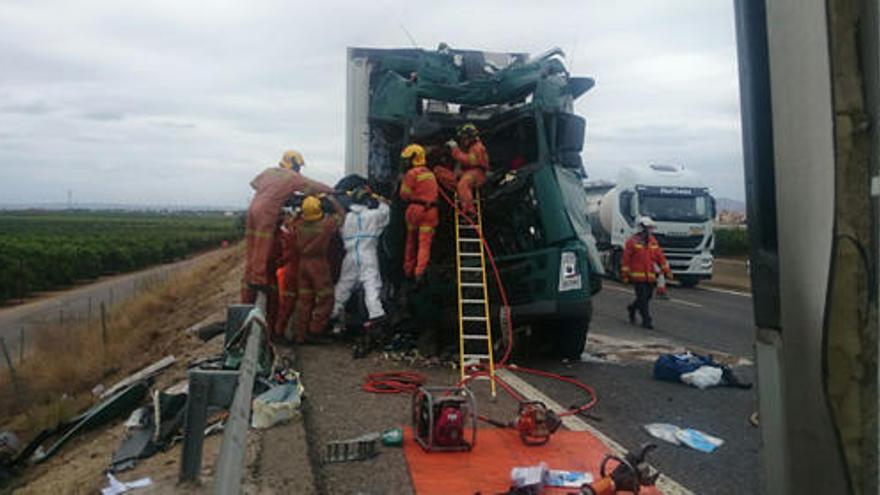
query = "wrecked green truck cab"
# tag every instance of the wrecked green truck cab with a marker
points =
(534, 205)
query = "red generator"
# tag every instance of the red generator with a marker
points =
(444, 418)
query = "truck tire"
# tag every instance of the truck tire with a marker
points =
(688, 282)
(572, 334)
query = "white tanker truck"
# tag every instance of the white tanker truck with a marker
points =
(677, 201)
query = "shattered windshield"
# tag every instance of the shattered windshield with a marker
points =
(675, 208)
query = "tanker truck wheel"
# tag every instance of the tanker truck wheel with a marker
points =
(572, 334)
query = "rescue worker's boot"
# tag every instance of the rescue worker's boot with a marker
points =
(376, 331)
(632, 314)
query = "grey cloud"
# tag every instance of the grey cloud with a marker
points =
(36, 107)
(228, 89)
(175, 125)
(104, 116)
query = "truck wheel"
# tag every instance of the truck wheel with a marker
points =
(572, 335)
(688, 282)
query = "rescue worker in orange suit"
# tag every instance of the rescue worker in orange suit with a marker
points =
(472, 165)
(315, 231)
(272, 189)
(640, 254)
(287, 277)
(419, 190)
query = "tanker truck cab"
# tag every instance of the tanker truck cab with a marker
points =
(533, 202)
(682, 208)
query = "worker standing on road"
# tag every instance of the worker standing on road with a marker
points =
(472, 161)
(640, 254)
(272, 189)
(368, 216)
(287, 276)
(419, 190)
(315, 232)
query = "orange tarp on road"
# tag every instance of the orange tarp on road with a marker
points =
(486, 469)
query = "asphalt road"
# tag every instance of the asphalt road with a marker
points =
(703, 319)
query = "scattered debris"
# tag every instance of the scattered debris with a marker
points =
(663, 431)
(703, 377)
(9, 446)
(529, 477)
(696, 370)
(117, 405)
(356, 449)
(98, 390)
(694, 439)
(278, 404)
(116, 487)
(143, 374)
(754, 419)
(567, 479)
(146, 435)
(698, 440)
(539, 476)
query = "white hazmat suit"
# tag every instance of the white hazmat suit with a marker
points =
(360, 233)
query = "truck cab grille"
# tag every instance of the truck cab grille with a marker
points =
(679, 242)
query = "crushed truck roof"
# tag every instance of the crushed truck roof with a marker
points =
(466, 77)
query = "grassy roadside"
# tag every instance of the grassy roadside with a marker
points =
(67, 362)
(730, 273)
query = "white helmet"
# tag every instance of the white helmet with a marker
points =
(647, 223)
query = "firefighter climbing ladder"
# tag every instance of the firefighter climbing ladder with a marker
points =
(474, 324)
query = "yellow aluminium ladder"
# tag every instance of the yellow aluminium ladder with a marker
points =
(474, 323)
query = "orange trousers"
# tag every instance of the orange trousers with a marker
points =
(314, 296)
(464, 185)
(286, 295)
(420, 223)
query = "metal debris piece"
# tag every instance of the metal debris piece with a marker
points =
(356, 449)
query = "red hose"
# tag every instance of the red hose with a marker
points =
(393, 382)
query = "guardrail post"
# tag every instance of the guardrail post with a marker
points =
(194, 431)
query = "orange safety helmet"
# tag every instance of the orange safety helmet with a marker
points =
(292, 160)
(415, 154)
(311, 209)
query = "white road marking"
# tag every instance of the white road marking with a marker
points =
(686, 303)
(725, 291)
(664, 483)
(671, 299)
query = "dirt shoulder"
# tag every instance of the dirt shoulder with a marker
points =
(79, 466)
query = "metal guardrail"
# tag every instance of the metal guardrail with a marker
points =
(224, 388)
(227, 475)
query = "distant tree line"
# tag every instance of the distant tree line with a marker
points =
(731, 242)
(42, 251)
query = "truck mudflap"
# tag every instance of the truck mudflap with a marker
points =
(574, 197)
(533, 281)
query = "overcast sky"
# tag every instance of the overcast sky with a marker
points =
(183, 102)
